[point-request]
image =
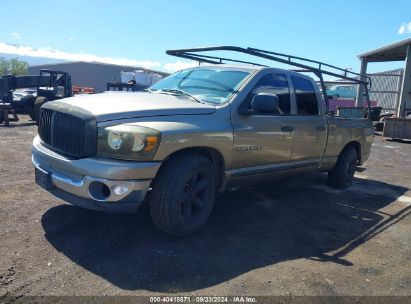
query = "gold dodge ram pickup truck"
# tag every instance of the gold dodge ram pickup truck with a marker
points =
(189, 136)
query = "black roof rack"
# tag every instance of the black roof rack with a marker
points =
(304, 64)
(322, 67)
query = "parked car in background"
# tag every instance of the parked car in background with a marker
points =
(19, 93)
(342, 91)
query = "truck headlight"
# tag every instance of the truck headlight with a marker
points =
(128, 142)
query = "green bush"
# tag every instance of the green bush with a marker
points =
(13, 66)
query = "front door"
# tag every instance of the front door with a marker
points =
(264, 139)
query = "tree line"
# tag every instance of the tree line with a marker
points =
(13, 66)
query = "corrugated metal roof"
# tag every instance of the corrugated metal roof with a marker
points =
(48, 65)
(393, 52)
(86, 62)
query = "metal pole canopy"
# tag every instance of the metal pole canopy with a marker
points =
(360, 90)
(405, 98)
(300, 62)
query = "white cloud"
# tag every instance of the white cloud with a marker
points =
(179, 65)
(16, 36)
(56, 54)
(47, 52)
(405, 28)
(73, 38)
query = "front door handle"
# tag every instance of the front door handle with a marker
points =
(320, 128)
(287, 128)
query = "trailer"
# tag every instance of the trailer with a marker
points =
(128, 87)
(397, 128)
(49, 85)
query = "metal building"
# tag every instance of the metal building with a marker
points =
(90, 74)
(386, 89)
(399, 51)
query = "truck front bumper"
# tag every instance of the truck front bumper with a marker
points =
(93, 183)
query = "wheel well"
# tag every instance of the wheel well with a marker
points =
(356, 145)
(213, 155)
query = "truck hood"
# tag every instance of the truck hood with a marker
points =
(122, 105)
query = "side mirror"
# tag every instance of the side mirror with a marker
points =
(265, 103)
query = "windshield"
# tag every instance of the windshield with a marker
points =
(204, 84)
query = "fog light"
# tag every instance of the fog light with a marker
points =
(119, 189)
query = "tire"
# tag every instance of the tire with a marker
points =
(36, 108)
(30, 112)
(183, 195)
(26, 104)
(342, 175)
(379, 126)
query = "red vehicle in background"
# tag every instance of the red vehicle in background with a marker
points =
(82, 90)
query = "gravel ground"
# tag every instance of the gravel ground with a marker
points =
(297, 237)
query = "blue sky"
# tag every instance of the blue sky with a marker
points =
(140, 31)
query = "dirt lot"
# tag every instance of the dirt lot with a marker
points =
(294, 238)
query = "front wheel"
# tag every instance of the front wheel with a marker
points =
(342, 175)
(183, 195)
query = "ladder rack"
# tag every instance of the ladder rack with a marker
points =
(304, 64)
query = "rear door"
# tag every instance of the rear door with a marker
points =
(264, 139)
(310, 128)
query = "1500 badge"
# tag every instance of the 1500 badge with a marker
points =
(248, 148)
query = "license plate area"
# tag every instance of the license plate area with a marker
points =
(43, 179)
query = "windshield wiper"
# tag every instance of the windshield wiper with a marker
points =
(180, 92)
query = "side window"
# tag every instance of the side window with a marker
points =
(307, 103)
(272, 84)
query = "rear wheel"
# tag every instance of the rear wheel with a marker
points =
(183, 195)
(342, 175)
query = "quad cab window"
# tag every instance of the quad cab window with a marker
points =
(307, 102)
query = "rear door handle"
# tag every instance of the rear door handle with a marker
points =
(287, 128)
(320, 128)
